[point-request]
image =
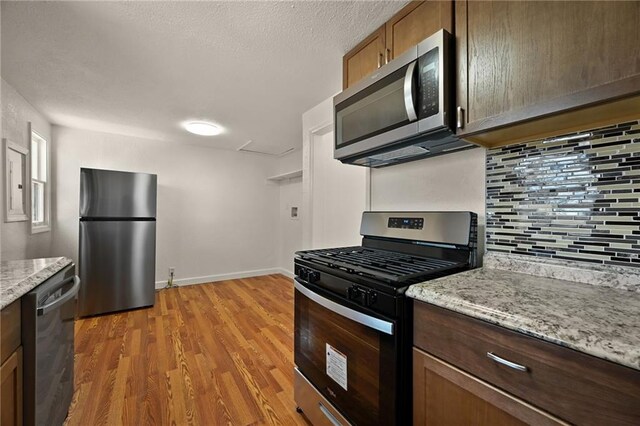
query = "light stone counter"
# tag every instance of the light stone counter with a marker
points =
(600, 318)
(18, 277)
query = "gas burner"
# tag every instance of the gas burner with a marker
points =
(381, 264)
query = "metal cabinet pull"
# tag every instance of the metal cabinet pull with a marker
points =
(380, 59)
(387, 56)
(460, 117)
(328, 415)
(508, 363)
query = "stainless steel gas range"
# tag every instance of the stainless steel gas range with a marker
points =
(353, 331)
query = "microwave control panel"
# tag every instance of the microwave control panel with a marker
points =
(428, 66)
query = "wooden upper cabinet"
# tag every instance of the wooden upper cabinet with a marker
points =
(363, 59)
(412, 24)
(415, 22)
(519, 61)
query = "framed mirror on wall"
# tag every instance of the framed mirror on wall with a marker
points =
(16, 186)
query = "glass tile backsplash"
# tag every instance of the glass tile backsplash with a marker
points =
(574, 197)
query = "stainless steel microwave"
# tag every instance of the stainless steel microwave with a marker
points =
(401, 112)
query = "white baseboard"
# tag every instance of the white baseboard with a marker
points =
(224, 277)
(286, 273)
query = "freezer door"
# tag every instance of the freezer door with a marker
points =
(117, 265)
(112, 194)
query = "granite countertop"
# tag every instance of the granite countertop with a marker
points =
(598, 318)
(18, 277)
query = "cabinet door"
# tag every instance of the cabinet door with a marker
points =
(445, 395)
(11, 390)
(363, 59)
(415, 22)
(10, 329)
(522, 60)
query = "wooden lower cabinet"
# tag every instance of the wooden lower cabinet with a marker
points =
(10, 365)
(11, 390)
(579, 388)
(445, 395)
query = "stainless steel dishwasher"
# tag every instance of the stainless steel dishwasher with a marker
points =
(48, 314)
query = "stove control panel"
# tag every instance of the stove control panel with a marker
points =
(406, 222)
(362, 295)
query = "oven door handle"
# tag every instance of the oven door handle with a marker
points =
(364, 319)
(69, 294)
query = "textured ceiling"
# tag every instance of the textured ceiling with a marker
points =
(141, 68)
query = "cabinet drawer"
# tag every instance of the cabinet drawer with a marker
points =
(574, 386)
(10, 337)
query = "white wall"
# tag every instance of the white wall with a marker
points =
(289, 229)
(448, 182)
(339, 195)
(17, 240)
(334, 194)
(217, 214)
(289, 163)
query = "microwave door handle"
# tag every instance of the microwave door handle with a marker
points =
(408, 92)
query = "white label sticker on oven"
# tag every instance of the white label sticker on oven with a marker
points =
(337, 366)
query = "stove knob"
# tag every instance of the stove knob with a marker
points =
(359, 295)
(351, 293)
(303, 273)
(313, 276)
(370, 298)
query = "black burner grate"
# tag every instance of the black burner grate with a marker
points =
(381, 264)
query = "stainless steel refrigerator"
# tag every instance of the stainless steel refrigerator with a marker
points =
(117, 253)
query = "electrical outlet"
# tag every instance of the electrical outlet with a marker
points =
(172, 270)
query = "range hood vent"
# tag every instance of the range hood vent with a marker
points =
(410, 149)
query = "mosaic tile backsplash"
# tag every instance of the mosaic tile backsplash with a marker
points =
(576, 198)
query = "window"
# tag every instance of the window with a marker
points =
(39, 184)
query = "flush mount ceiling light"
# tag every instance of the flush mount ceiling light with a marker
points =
(202, 128)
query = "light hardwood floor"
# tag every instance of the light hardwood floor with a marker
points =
(210, 354)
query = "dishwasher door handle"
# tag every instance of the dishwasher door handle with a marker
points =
(69, 294)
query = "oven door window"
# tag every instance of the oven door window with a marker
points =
(377, 109)
(351, 364)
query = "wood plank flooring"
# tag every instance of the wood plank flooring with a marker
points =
(219, 353)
